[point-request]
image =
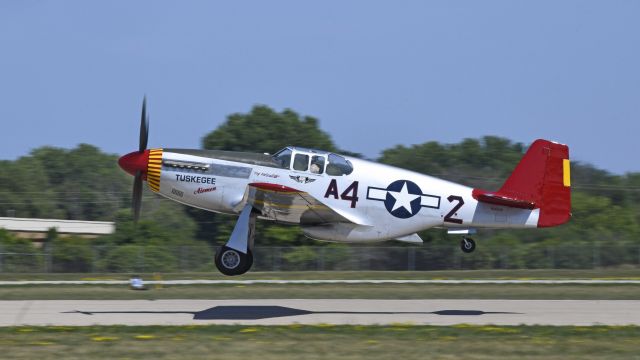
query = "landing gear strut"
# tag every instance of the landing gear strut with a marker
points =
(235, 257)
(467, 245)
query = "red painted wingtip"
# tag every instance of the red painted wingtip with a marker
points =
(134, 162)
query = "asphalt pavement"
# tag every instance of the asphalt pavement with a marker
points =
(319, 311)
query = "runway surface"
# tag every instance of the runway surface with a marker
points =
(337, 281)
(319, 311)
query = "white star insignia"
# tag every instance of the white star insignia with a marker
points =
(403, 198)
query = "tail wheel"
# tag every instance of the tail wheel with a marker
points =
(232, 262)
(467, 245)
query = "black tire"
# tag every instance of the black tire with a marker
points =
(467, 245)
(249, 262)
(232, 262)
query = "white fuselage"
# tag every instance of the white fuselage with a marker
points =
(384, 203)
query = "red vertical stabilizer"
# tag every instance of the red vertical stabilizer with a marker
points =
(542, 180)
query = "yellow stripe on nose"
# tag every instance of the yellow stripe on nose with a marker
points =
(566, 172)
(154, 168)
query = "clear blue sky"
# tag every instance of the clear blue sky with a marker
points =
(376, 74)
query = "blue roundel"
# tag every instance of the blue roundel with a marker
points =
(403, 199)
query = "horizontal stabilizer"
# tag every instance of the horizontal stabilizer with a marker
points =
(497, 199)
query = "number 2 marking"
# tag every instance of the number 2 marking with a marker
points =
(449, 217)
(349, 194)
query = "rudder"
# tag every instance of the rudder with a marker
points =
(543, 178)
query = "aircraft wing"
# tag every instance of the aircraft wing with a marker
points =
(285, 204)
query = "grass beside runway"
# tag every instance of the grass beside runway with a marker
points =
(399, 341)
(343, 291)
(628, 274)
(326, 291)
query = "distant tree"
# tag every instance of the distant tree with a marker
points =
(82, 183)
(25, 189)
(163, 222)
(18, 255)
(71, 254)
(265, 130)
(88, 183)
(481, 163)
(631, 187)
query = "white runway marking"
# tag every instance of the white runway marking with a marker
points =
(311, 282)
(317, 311)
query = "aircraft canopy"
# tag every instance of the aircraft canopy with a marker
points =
(313, 161)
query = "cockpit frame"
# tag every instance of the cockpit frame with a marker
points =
(315, 162)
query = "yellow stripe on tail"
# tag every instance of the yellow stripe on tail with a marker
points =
(566, 172)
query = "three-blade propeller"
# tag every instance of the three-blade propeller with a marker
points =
(137, 182)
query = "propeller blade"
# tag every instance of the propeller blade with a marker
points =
(137, 196)
(144, 126)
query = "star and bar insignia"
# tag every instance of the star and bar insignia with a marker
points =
(403, 198)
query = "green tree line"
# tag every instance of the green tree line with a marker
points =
(85, 183)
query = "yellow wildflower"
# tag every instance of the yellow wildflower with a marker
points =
(104, 338)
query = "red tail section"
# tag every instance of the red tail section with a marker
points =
(541, 180)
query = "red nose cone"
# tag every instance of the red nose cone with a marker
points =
(134, 162)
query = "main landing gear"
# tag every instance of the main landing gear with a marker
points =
(235, 257)
(233, 262)
(467, 245)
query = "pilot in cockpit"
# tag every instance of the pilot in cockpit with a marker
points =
(317, 162)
